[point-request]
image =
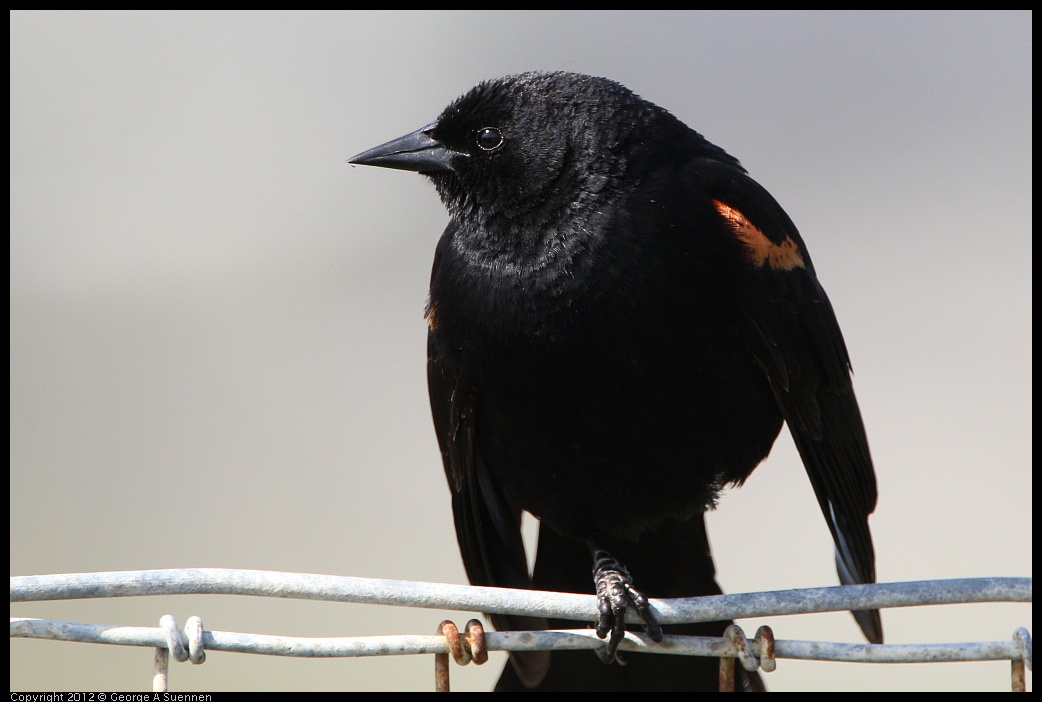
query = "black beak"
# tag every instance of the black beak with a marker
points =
(417, 151)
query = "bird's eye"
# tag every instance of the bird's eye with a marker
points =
(489, 138)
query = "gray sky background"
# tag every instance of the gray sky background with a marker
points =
(217, 340)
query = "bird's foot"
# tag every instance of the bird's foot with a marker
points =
(615, 595)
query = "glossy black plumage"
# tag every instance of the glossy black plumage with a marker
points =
(620, 321)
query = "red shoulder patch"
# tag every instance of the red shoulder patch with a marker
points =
(783, 257)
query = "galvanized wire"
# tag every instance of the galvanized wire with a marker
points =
(506, 601)
(199, 581)
(354, 647)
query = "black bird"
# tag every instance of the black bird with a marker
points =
(620, 319)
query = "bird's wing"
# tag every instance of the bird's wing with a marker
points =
(793, 334)
(488, 527)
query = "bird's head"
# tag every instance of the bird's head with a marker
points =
(523, 151)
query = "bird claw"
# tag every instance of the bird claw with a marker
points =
(615, 595)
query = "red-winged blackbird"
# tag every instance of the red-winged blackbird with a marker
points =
(620, 321)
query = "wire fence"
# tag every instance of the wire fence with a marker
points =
(761, 651)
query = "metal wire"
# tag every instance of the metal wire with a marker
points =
(191, 642)
(405, 593)
(555, 639)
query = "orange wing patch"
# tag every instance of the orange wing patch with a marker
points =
(432, 319)
(783, 257)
